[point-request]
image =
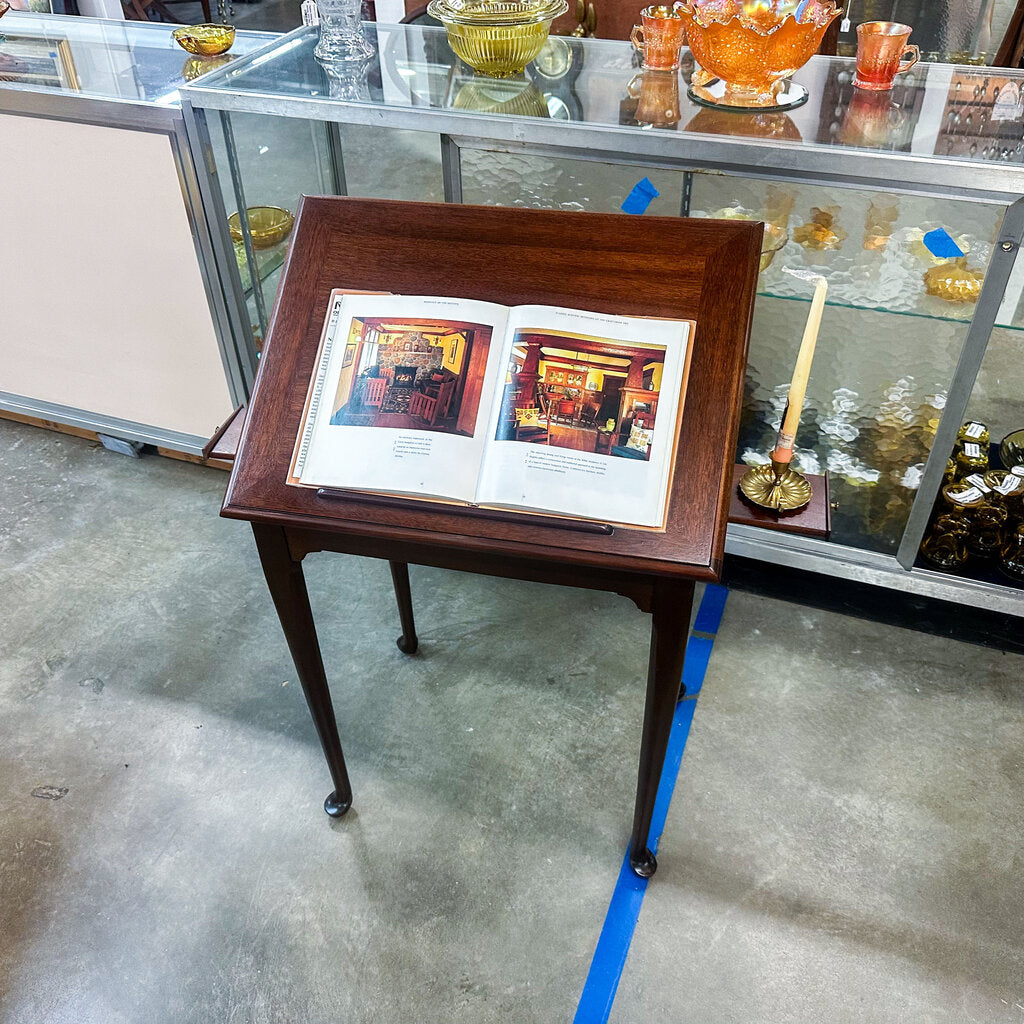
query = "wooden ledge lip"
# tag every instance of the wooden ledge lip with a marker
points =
(224, 442)
(369, 530)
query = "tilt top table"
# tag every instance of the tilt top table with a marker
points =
(686, 269)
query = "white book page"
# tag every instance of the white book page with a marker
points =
(403, 394)
(588, 362)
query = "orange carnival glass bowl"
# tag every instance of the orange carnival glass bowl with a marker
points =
(751, 46)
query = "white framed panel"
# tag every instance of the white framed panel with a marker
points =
(104, 308)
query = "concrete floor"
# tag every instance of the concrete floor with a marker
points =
(843, 845)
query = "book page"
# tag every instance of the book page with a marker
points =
(402, 395)
(588, 418)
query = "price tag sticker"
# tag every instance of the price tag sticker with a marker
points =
(1010, 484)
(1018, 471)
(845, 25)
(966, 497)
(1008, 106)
(972, 450)
(974, 429)
(976, 479)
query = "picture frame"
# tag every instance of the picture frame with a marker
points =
(350, 355)
(39, 61)
(451, 350)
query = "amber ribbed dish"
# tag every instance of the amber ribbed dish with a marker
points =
(752, 45)
(497, 37)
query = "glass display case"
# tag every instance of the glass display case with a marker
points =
(965, 31)
(115, 319)
(869, 189)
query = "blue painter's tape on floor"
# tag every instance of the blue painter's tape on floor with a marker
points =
(612, 946)
(698, 653)
(627, 898)
(709, 614)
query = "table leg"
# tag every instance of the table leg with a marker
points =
(670, 608)
(408, 641)
(287, 587)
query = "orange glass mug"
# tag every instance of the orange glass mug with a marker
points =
(659, 38)
(880, 49)
(658, 95)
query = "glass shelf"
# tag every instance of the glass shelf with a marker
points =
(92, 58)
(889, 280)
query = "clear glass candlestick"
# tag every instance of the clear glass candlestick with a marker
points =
(341, 40)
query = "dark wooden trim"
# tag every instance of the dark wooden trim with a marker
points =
(223, 444)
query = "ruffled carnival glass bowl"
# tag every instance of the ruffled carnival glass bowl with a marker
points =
(497, 37)
(752, 46)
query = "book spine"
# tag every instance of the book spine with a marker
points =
(318, 386)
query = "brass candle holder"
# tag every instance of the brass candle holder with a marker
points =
(775, 486)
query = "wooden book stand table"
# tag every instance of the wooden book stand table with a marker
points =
(688, 269)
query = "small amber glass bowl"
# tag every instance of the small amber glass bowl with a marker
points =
(207, 40)
(268, 225)
(774, 239)
(497, 37)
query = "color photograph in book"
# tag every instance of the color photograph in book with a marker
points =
(581, 392)
(410, 373)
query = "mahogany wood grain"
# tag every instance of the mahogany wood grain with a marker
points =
(707, 272)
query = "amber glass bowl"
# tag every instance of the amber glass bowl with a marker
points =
(497, 37)
(751, 45)
(268, 225)
(205, 40)
(4, 7)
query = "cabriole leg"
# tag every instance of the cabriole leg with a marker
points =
(287, 587)
(670, 613)
(407, 642)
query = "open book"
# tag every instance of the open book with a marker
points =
(535, 408)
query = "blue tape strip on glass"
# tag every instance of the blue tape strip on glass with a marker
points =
(640, 198)
(940, 244)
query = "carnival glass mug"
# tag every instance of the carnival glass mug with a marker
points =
(881, 46)
(658, 96)
(659, 38)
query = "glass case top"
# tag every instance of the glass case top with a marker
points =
(937, 110)
(100, 59)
